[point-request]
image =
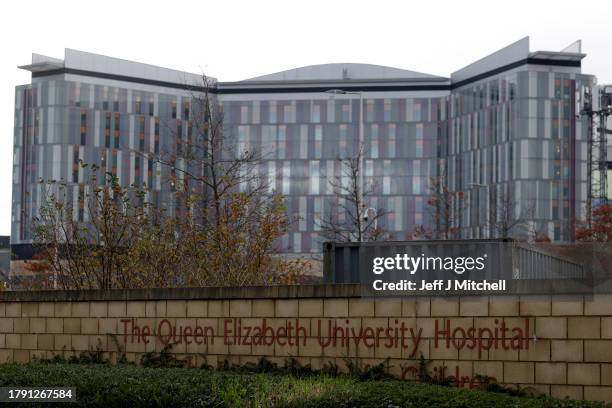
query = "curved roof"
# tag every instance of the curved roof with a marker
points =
(344, 71)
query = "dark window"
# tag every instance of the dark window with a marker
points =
(137, 170)
(117, 130)
(156, 147)
(81, 202)
(114, 163)
(107, 129)
(83, 128)
(150, 172)
(141, 134)
(75, 164)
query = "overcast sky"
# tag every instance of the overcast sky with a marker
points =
(233, 40)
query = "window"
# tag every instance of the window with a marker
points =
(287, 113)
(387, 110)
(316, 113)
(75, 164)
(386, 185)
(116, 100)
(419, 148)
(343, 144)
(115, 162)
(244, 114)
(150, 172)
(297, 242)
(318, 133)
(282, 142)
(416, 186)
(369, 168)
(137, 170)
(156, 147)
(286, 178)
(271, 176)
(374, 149)
(557, 88)
(179, 136)
(103, 161)
(173, 109)
(374, 134)
(77, 94)
(272, 113)
(417, 111)
(419, 131)
(81, 202)
(345, 112)
(418, 204)
(105, 98)
(138, 106)
(314, 177)
(416, 167)
(107, 130)
(481, 98)
(391, 140)
(151, 107)
(83, 127)
(370, 111)
(141, 133)
(557, 149)
(117, 132)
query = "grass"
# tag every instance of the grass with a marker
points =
(127, 385)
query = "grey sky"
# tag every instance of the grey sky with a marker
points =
(233, 40)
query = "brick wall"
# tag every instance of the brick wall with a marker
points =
(559, 345)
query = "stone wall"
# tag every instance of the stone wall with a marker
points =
(559, 345)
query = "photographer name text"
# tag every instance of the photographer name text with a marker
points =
(440, 285)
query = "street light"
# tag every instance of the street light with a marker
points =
(361, 168)
(366, 217)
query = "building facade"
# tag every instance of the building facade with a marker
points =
(503, 131)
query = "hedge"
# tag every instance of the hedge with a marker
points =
(104, 385)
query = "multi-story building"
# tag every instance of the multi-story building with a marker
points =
(501, 130)
(97, 110)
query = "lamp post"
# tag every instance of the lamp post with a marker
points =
(365, 216)
(361, 167)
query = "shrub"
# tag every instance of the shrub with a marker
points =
(105, 385)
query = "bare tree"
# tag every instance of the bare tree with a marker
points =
(218, 180)
(209, 166)
(85, 249)
(224, 231)
(348, 217)
(446, 207)
(508, 218)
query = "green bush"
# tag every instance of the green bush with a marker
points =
(104, 385)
